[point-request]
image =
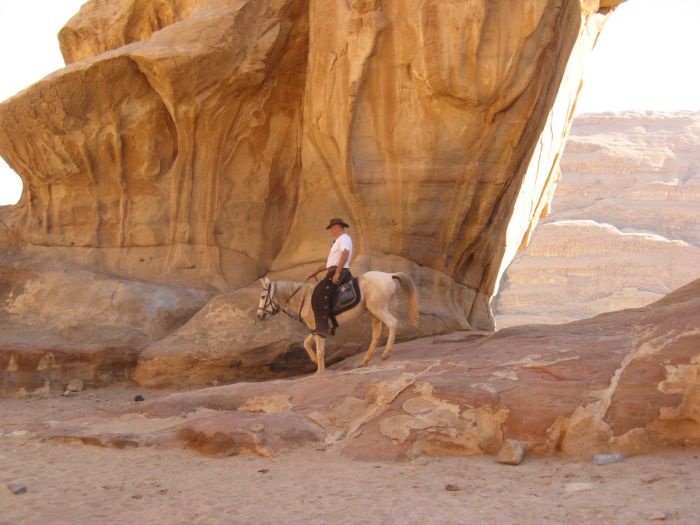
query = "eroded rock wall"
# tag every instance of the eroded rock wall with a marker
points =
(205, 143)
(171, 156)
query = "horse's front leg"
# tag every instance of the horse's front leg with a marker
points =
(309, 349)
(320, 353)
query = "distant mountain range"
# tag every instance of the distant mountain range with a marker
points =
(625, 223)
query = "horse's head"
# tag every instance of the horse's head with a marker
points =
(267, 305)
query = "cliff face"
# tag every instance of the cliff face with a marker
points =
(625, 225)
(204, 143)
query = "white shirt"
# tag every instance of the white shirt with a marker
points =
(343, 242)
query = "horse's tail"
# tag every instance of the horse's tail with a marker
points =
(409, 289)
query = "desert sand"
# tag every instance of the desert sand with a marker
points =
(69, 483)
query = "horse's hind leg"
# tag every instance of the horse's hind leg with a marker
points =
(376, 334)
(320, 353)
(309, 349)
(391, 322)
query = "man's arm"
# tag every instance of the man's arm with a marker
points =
(341, 264)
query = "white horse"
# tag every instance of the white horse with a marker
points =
(377, 289)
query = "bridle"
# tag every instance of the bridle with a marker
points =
(273, 308)
(270, 307)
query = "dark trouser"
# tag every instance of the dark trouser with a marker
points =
(322, 297)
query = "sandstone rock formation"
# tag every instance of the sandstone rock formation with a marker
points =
(621, 382)
(59, 323)
(625, 223)
(203, 143)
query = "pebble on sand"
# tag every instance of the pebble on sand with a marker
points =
(75, 385)
(16, 488)
(512, 452)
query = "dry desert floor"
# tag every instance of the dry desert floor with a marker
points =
(70, 484)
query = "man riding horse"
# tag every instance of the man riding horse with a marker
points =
(337, 269)
(311, 304)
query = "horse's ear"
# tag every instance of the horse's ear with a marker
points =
(265, 281)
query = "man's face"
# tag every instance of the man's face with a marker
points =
(336, 230)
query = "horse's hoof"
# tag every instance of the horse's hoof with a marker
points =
(385, 357)
(362, 364)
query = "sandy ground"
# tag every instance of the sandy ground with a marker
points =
(84, 484)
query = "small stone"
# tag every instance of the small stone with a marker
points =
(17, 489)
(257, 427)
(512, 452)
(658, 516)
(572, 488)
(139, 397)
(604, 459)
(451, 487)
(42, 392)
(75, 385)
(654, 479)
(263, 471)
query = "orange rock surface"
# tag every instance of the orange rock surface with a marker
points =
(624, 382)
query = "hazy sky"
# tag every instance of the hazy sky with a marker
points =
(647, 58)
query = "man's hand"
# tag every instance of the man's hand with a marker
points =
(319, 270)
(336, 277)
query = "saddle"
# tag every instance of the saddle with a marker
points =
(347, 296)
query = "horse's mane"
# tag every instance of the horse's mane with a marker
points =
(287, 288)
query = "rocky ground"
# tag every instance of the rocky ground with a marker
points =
(408, 440)
(69, 483)
(621, 382)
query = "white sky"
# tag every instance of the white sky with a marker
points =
(646, 59)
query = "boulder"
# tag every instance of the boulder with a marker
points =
(61, 323)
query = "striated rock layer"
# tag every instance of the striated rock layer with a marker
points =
(625, 225)
(624, 382)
